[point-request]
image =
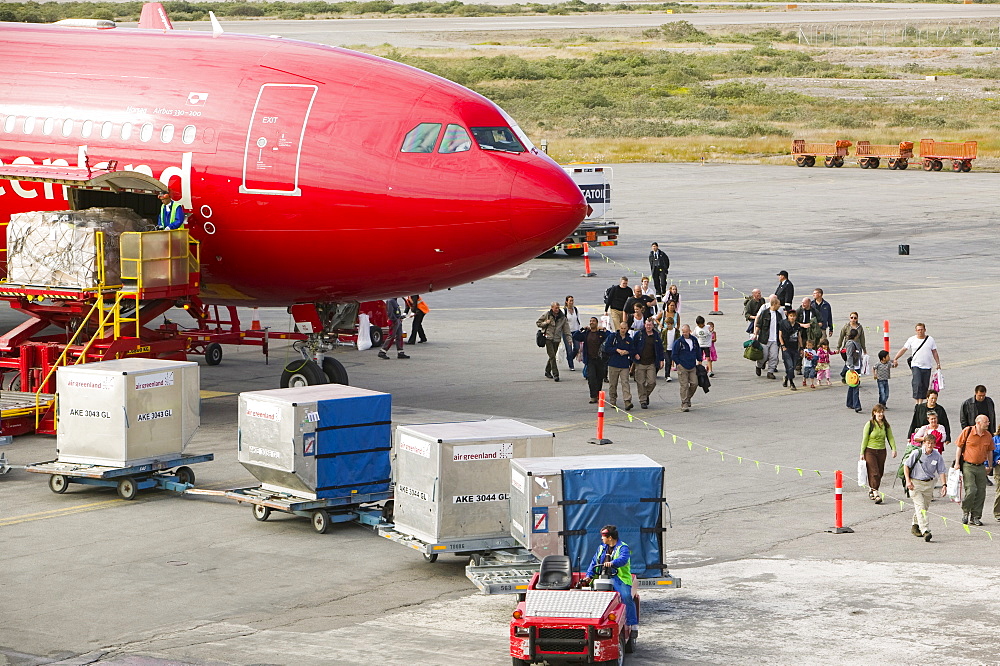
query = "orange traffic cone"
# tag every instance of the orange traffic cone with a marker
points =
(255, 323)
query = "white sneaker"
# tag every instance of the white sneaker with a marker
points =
(669, 379)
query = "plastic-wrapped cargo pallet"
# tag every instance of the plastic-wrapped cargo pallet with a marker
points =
(59, 249)
(126, 412)
(558, 506)
(317, 442)
(453, 479)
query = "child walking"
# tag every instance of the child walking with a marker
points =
(823, 363)
(882, 369)
(714, 355)
(704, 338)
(809, 355)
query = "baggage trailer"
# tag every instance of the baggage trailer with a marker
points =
(475, 548)
(870, 154)
(933, 153)
(127, 480)
(805, 154)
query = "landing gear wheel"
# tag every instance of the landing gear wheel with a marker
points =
(127, 489)
(321, 521)
(377, 336)
(302, 373)
(967, 166)
(811, 161)
(430, 559)
(213, 354)
(574, 251)
(335, 371)
(261, 512)
(839, 162)
(185, 475)
(58, 484)
(936, 166)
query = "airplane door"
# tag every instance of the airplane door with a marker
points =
(274, 139)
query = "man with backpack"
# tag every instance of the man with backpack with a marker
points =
(920, 468)
(614, 301)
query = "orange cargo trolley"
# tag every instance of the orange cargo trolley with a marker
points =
(870, 154)
(961, 154)
(805, 154)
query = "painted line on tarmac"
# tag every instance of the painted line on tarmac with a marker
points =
(57, 513)
(205, 395)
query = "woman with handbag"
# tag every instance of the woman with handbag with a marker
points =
(852, 325)
(877, 432)
(853, 358)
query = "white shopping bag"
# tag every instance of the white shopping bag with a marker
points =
(364, 332)
(937, 381)
(866, 364)
(605, 322)
(862, 474)
(955, 490)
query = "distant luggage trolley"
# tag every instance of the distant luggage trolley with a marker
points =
(933, 153)
(127, 480)
(833, 154)
(870, 154)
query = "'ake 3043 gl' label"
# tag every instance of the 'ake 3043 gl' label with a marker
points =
(90, 413)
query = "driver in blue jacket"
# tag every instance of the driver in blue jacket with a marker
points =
(614, 557)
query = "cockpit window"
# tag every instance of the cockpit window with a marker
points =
(456, 140)
(497, 138)
(421, 139)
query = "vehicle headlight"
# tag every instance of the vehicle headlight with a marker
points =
(604, 632)
(521, 631)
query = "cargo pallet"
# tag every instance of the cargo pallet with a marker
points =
(805, 154)
(321, 512)
(474, 547)
(127, 480)
(870, 154)
(961, 154)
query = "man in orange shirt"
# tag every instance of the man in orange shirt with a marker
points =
(975, 447)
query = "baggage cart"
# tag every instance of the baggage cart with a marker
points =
(474, 547)
(321, 512)
(127, 480)
(933, 153)
(833, 154)
(870, 155)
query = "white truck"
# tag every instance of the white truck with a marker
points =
(597, 229)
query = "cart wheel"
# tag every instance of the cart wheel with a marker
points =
(956, 166)
(928, 165)
(377, 336)
(936, 166)
(335, 371)
(902, 164)
(431, 558)
(321, 521)
(828, 162)
(185, 475)
(261, 512)
(388, 511)
(873, 164)
(301, 373)
(811, 161)
(525, 662)
(127, 489)
(838, 162)
(630, 643)
(863, 163)
(800, 161)
(58, 484)
(892, 163)
(213, 354)
(967, 166)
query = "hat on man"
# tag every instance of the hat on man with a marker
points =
(783, 274)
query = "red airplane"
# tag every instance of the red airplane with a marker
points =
(309, 173)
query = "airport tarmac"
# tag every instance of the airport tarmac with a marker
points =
(88, 578)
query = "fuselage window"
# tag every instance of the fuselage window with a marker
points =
(29, 125)
(87, 129)
(456, 140)
(167, 134)
(126, 131)
(106, 130)
(497, 138)
(421, 139)
(187, 136)
(146, 132)
(48, 126)
(8, 123)
(67, 127)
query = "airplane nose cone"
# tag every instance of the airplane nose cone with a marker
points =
(546, 206)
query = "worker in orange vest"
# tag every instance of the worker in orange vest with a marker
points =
(418, 308)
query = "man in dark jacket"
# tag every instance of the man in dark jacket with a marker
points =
(976, 405)
(823, 309)
(687, 355)
(614, 301)
(618, 347)
(751, 306)
(648, 359)
(637, 297)
(765, 329)
(594, 363)
(395, 331)
(785, 291)
(659, 267)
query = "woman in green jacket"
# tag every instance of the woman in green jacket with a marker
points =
(873, 440)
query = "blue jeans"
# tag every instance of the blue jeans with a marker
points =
(788, 357)
(883, 390)
(625, 592)
(854, 397)
(571, 349)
